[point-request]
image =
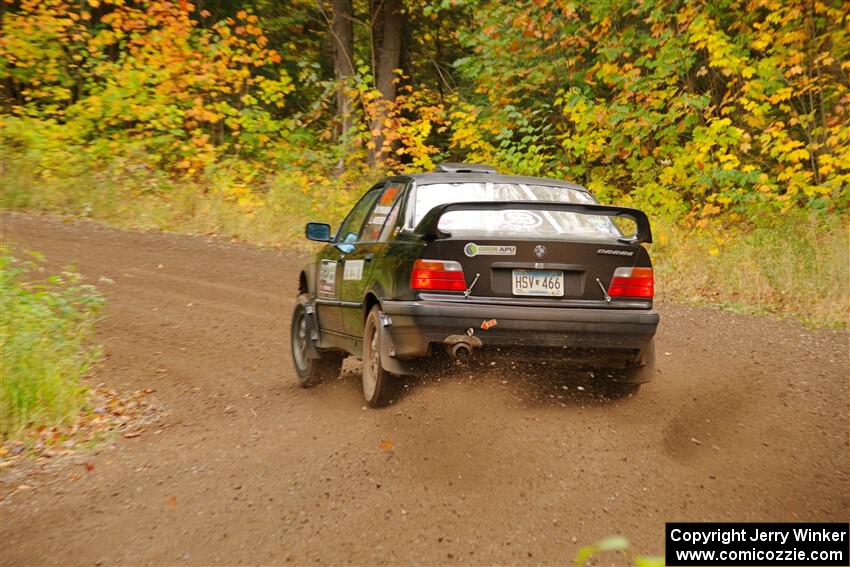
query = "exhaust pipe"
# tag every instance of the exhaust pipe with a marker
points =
(460, 351)
(460, 347)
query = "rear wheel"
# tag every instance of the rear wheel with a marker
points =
(617, 390)
(310, 371)
(621, 383)
(377, 382)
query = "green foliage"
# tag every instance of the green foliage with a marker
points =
(614, 544)
(698, 107)
(45, 330)
(144, 76)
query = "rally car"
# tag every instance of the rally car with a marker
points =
(464, 260)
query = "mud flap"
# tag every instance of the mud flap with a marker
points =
(312, 324)
(389, 362)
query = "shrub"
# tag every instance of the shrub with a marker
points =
(45, 333)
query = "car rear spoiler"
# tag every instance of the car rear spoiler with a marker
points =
(428, 229)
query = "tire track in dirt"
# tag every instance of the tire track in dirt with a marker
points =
(748, 420)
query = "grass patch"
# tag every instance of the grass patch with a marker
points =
(45, 333)
(229, 199)
(798, 266)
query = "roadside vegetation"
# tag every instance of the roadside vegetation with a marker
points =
(46, 332)
(614, 544)
(726, 121)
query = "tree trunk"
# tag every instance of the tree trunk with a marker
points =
(388, 58)
(343, 39)
(390, 53)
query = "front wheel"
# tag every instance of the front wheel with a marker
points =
(310, 371)
(377, 382)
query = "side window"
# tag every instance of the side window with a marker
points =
(352, 224)
(392, 218)
(383, 210)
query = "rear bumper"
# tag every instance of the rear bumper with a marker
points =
(418, 324)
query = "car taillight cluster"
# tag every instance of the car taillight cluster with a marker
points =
(632, 282)
(442, 275)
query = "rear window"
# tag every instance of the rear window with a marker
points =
(518, 222)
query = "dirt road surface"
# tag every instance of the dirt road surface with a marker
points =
(747, 421)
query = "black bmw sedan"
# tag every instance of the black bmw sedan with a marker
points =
(463, 260)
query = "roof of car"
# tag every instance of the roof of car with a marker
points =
(440, 177)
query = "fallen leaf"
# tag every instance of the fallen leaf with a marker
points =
(172, 501)
(89, 467)
(386, 445)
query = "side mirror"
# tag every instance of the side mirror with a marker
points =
(318, 231)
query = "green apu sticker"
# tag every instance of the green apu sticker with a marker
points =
(472, 249)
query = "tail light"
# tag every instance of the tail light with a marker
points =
(440, 275)
(632, 282)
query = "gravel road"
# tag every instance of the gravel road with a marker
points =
(748, 420)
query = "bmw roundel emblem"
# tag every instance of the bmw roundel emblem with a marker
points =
(539, 251)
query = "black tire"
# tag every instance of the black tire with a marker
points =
(621, 383)
(310, 371)
(378, 384)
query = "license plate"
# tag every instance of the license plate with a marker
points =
(538, 282)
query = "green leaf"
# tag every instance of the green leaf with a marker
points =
(648, 561)
(612, 543)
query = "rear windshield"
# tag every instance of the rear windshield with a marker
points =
(514, 222)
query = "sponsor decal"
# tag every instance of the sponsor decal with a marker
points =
(521, 220)
(472, 249)
(489, 324)
(327, 278)
(610, 252)
(353, 270)
(388, 196)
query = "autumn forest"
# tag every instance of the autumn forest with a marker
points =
(726, 120)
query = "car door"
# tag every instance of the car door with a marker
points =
(333, 262)
(362, 260)
(327, 289)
